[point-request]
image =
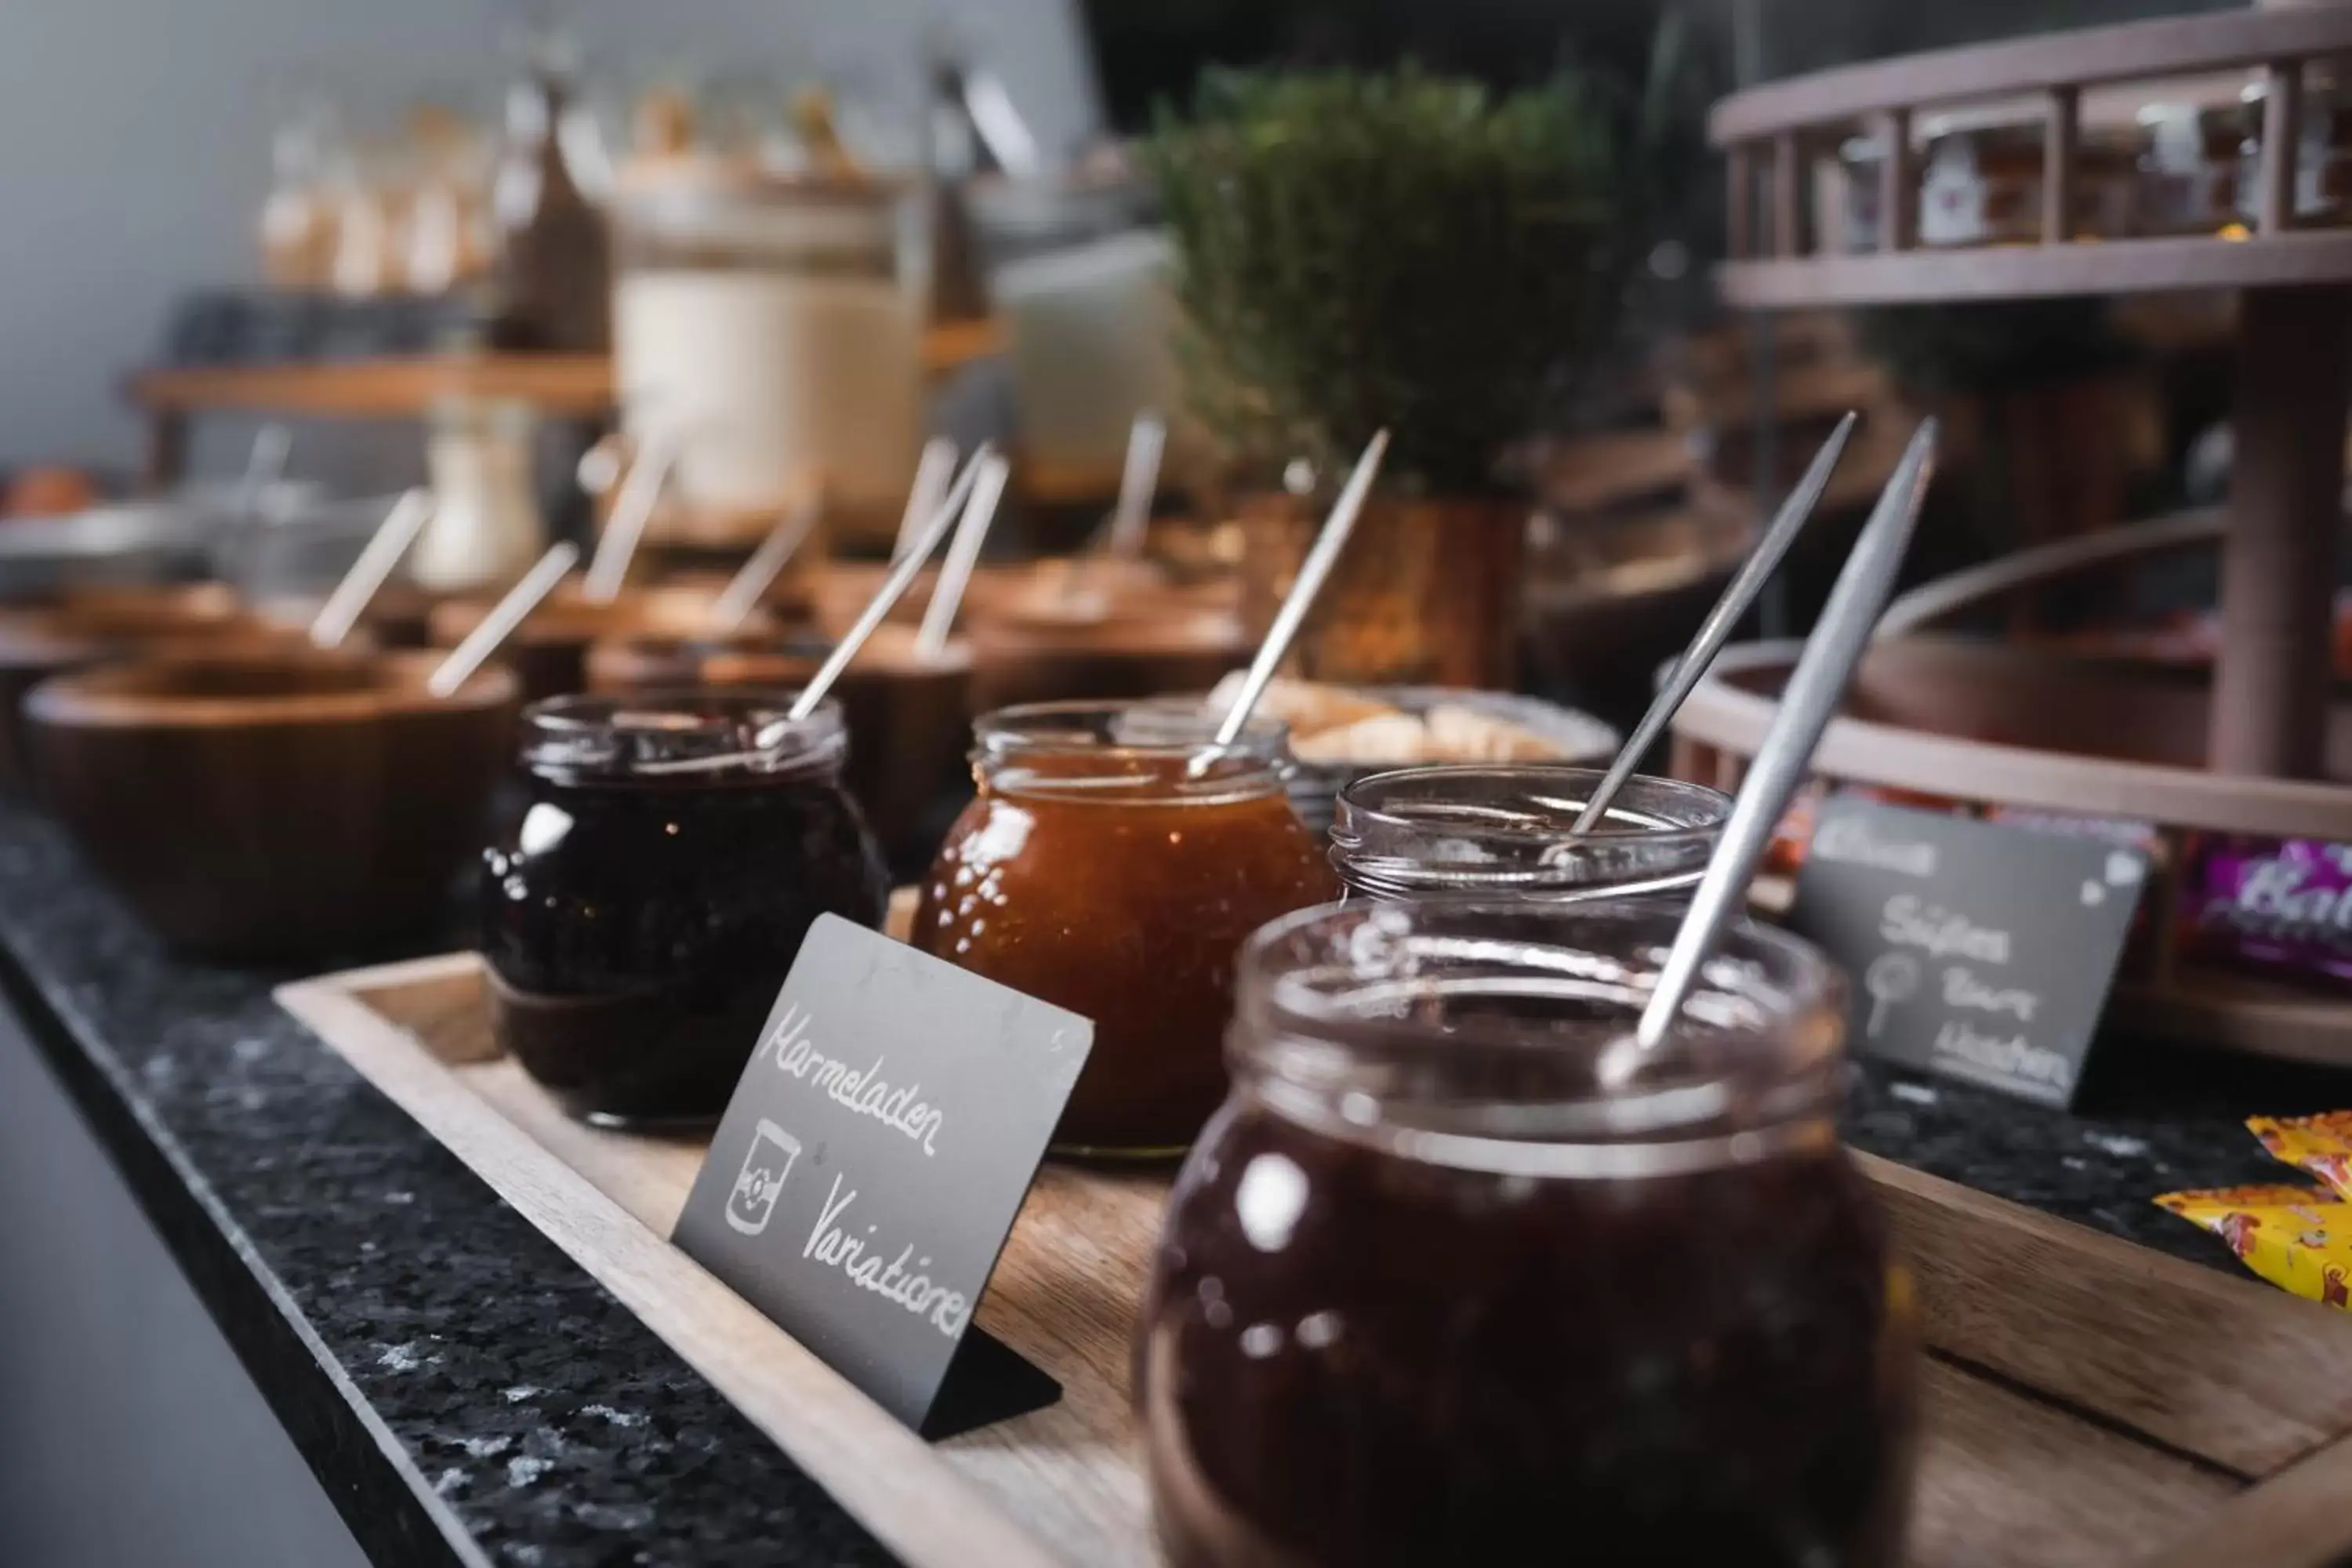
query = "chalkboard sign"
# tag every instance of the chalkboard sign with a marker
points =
(872, 1160)
(1974, 949)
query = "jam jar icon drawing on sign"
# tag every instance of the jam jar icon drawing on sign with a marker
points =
(760, 1181)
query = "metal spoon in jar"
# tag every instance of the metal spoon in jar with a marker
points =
(894, 587)
(742, 594)
(1808, 702)
(1312, 574)
(368, 574)
(1717, 630)
(500, 624)
(641, 487)
(955, 572)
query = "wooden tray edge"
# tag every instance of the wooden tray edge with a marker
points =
(883, 1474)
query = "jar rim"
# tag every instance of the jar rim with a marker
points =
(682, 735)
(1481, 1024)
(1493, 828)
(1128, 754)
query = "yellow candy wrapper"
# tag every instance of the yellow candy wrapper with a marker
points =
(2298, 1239)
(2318, 1145)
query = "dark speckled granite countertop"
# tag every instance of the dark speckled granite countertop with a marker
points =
(467, 1394)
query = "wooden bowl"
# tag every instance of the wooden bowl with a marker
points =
(92, 626)
(290, 805)
(550, 649)
(1149, 651)
(909, 719)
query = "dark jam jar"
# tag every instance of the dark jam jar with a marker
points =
(1113, 864)
(1510, 832)
(642, 912)
(1435, 1288)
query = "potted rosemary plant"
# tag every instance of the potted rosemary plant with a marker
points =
(1358, 251)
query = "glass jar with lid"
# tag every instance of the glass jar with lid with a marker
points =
(1113, 866)
(1510, 832)
(1435, 1283)
(771, 326)
(642, 910)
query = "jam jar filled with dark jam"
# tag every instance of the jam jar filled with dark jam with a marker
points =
(1438, 1285)
(1113, 864)
(1510, 832)
(642, 912)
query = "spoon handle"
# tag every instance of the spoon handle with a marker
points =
(1717, 630)
(1311, 575)
(1807, 704)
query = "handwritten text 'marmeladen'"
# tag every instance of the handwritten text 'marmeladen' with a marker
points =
(861, 1091)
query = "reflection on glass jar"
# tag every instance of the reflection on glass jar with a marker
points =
(1510, 832)
(1113, 866)
(1431, 1288)
(642, 912)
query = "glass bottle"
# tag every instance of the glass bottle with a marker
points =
(554, 275)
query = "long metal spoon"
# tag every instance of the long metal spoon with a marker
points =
(742, 594)
(641, 488)
(504, 617)
(1717, 630)
(1312, 574)
(1807, 704)
(955, 572)
(361, 584)
(894, 587)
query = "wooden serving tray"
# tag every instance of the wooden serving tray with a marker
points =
(2087, 1401)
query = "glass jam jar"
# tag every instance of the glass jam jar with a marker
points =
(1506, 832)
(644, 907)
(1113, 865)
(1432, 1286)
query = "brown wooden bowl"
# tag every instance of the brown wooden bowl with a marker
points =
(290, 805)
(94, 627)
(550, 649)
(1146, 652)
(909, 719)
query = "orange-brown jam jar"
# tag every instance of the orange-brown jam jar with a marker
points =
(1112, 864)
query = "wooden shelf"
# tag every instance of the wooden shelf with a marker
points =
(2011, 272)
(565, 385)
(2134, 51)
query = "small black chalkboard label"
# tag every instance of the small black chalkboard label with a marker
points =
(867, 1170)
(1977, 951)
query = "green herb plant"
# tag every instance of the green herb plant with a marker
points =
(1393, 250)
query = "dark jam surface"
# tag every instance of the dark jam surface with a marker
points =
(1348, 1358)
(637, 933)
(1128, 912)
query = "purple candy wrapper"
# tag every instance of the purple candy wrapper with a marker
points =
(2280, 904)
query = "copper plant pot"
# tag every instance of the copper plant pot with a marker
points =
(1428, 593)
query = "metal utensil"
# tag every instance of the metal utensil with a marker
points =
(932, 471)
(505, 616)
(894, 587)
(640, 489)
(1808, 702)
(742, 594)
(1717, 630)
(1312, 574)
(366, 578)
(955, 573)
